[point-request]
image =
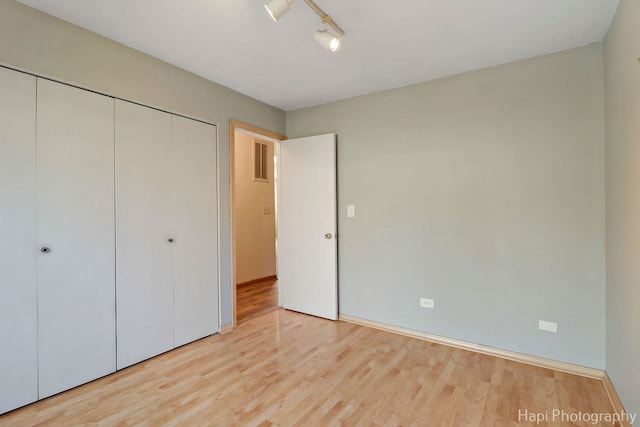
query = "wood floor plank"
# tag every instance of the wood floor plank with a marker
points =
(288, 369)
(256, 299)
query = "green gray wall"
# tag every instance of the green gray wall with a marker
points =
(622, 88)
(39, 43)
(484, 191)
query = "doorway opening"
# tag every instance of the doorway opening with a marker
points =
(254, 189)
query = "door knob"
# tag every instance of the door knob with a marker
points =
(328, 236)
(45, 250)
(170, 240)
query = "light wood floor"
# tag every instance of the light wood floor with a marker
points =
(288, 369)
(256, 300)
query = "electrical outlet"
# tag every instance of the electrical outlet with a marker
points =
(543, 325)
(427, 303)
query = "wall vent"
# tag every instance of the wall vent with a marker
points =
(260, 161)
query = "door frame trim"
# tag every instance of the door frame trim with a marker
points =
(235, 125)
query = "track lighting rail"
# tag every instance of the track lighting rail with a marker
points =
(326, 19)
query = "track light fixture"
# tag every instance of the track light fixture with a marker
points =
(327, 40)
(331, 42)
(277, 8)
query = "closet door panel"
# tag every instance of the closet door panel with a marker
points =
(195, 250)
(144, 278)
(75, 221)
(18, 315)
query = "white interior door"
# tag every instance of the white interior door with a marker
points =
(196, 230)
(144, 275)
(307, 244)
(18, 309)
(75, 220)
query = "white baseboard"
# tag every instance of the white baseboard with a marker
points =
(479, 348)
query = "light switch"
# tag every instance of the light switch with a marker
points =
(351, 211)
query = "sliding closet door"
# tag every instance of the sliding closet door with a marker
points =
(18, 315)
(196, 237)
(76, 245)
(144, 233)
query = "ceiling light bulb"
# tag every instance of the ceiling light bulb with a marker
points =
(277, 8)
(327, 40)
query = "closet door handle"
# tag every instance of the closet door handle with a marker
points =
(170, 240)
(45, 250)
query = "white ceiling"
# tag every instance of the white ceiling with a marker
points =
(387, 43)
